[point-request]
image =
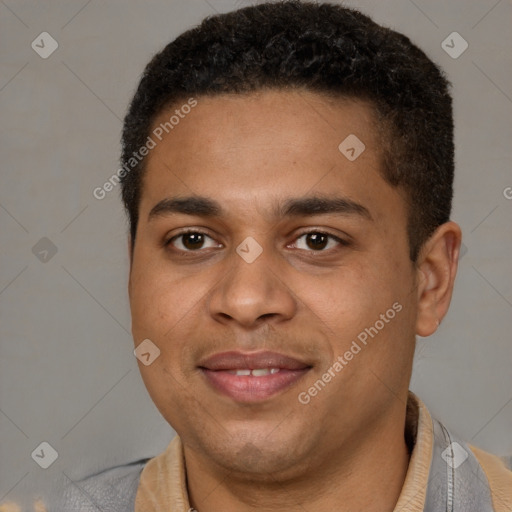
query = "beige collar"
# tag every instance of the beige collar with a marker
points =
(163, 486)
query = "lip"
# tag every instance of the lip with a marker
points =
(249, 388)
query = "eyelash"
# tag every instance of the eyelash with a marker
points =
(340, 241)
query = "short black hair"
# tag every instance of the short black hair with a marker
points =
(324, 48)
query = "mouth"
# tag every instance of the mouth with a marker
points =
(252, 377)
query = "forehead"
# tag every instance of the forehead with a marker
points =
(247, 148)
(298, 121)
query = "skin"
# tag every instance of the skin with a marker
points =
(345, 449)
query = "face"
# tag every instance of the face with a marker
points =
(263, 246)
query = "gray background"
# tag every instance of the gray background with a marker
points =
(67, 372)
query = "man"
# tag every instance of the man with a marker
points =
(287, 173)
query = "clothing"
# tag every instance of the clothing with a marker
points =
(444, 475)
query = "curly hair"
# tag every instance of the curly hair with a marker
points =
(325, 48)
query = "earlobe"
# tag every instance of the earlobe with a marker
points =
(437, 268)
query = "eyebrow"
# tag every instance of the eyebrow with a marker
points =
(296, 207)
(318, 205)
(193, 205)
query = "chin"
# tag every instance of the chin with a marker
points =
(258, 456)
(254, 464)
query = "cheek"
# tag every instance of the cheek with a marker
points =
(168, 308)
(166, 389)
(158, 298)
(347, 297)
(147, 301)
(369, 304)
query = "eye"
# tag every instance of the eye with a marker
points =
(192, 241)
(318, 241)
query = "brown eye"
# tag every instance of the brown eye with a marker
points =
(316, 241)
(192, 241)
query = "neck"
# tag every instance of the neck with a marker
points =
(365, 473)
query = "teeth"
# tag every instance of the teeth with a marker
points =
(242, 372)
(260, 372)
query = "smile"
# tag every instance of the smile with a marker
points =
(252, 377)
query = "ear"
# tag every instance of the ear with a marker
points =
(437, 267)
(130, 255)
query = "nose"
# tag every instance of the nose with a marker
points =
(252, 293)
